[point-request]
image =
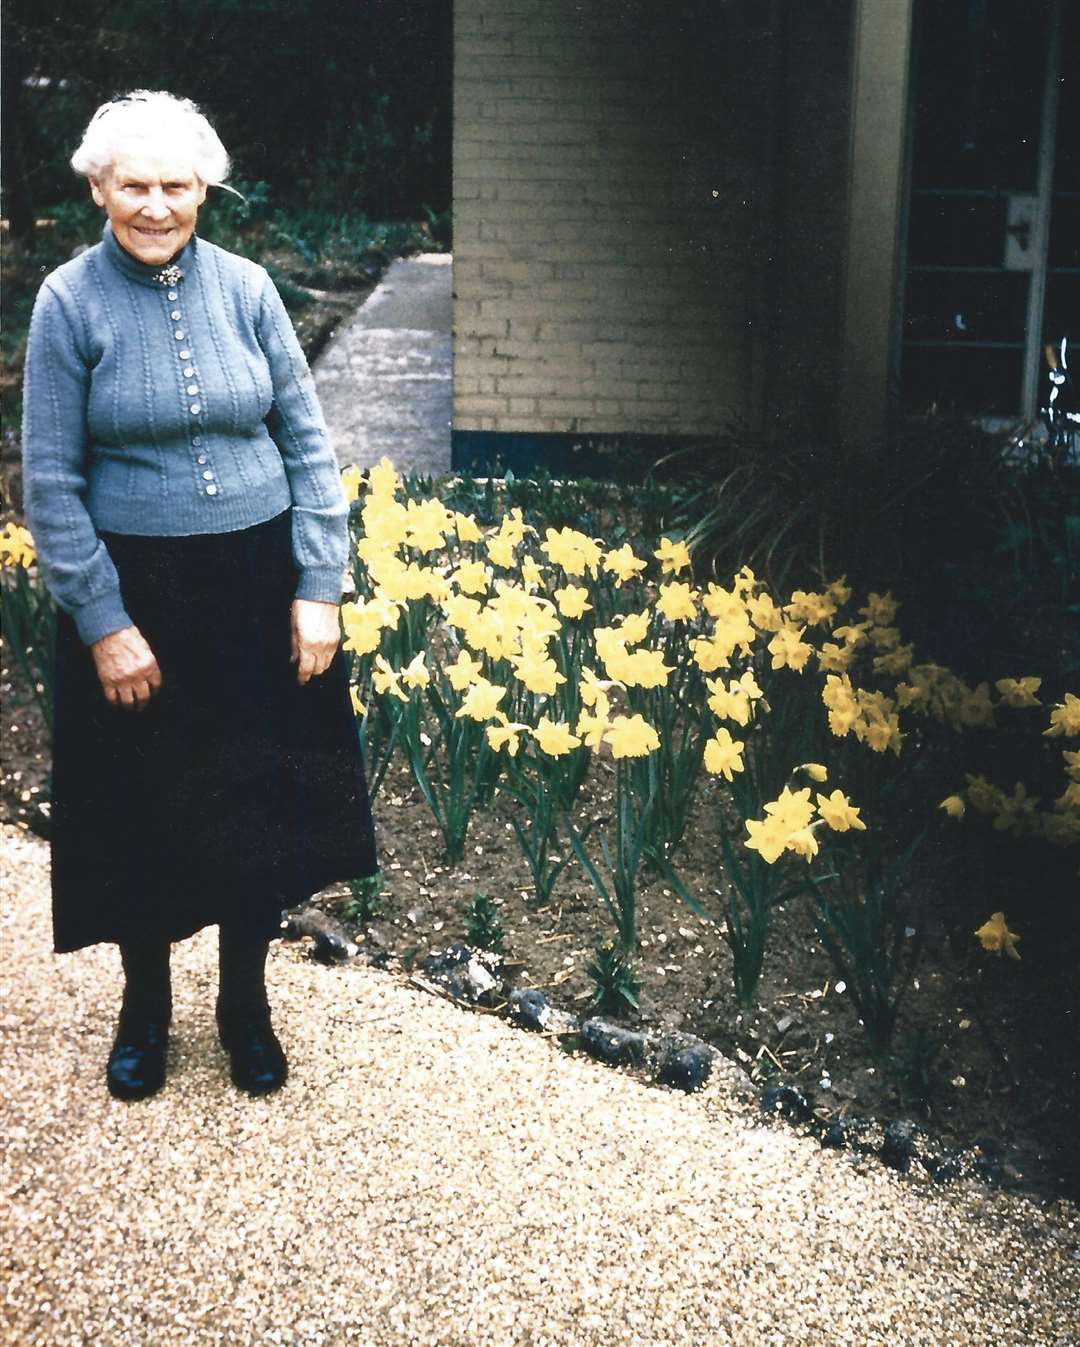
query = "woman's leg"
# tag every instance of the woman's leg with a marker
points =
(136, 1066)
(243, 1012)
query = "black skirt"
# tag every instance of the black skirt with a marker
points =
(236, 791)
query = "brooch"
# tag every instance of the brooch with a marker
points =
(169, 275)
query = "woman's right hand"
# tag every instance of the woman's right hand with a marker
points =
(126, 668)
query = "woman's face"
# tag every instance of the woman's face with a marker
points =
(152, 199)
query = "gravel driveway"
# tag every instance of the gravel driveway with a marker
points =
(431, 1176)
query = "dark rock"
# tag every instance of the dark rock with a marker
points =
(332, 942)
(838, 1131)
(468, 975)
(948, 1168)
(612, 1043)
(686, 1068)
(788, 1100)
(530, 1007)
(898, 1145)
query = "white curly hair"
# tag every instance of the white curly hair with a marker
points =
(160, 118)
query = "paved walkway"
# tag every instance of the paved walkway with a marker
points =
(432, 1177)
(385, 379)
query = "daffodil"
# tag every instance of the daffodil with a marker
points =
(416, 673)
(1065, 717)
(631, 737)
(555, 739)
(723, 754)
(383, 480)
(816, 771)
(834, 658)
(954, 806)
(385, 679)
(463, 671)
(803, 841)
(468, 531)
(789, 649)
(507, 734)
(839, 813)
(471, 577)
(351, 479)
(728, 703)
(880, 608)
(357, 705)
(810, 608)
(593, 725)
(539, 673)
(633, 627)
(481, 700)
(673, 556)
(501, 551)
(644, 669)
(574, 551)
(591, 689)
(767, 837)
(996, 937)
(573, 601)
(792, 808)
(763, 613)
(1072, 762)
(676, 602)
(623, 564)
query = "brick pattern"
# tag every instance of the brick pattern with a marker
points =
(612, 214)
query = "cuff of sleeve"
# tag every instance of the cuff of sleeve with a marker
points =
(100, 617)
(321, 583)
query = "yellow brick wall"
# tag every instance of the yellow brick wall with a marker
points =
(613, 214)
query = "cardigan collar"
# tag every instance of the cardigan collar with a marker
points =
(142, 271)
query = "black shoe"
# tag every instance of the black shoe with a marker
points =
(136, 1065)
(257, 1060)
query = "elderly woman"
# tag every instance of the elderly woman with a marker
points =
(191, 524)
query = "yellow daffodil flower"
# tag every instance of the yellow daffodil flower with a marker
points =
(672, 556)
(351, 479)
(996, 937)
(789, 649)
(592, 726)
(416, 674)
(809, 608)
(506, 735)
(880, 609)
(463, 671)
(723, 755)
(471, 577)
(573, 601)
(954, 806)
(540, 674)
(1065, 717)
(468, 531)
(676, 602)
(631, 737)
(383, 480)
(792, 808)
(623, 564)
(816, 771)
(357, 705)
(767, 837)
(481, 700)
(385, 680)
(555, 739)
(839, 813)
(501, 551)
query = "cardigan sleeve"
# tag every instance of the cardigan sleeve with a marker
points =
(320, 512)
(74, 562)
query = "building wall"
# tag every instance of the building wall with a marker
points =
(614, 201)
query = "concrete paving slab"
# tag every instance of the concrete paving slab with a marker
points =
(385, 380)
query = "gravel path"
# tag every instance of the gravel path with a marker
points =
(431, 1176)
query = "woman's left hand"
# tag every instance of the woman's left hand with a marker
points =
(316, 631)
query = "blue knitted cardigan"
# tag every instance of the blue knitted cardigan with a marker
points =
(169, 410)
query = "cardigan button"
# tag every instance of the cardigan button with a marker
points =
(189, 370)
(173, 294)
(192, 389)
(175, 315)
(185, 355)
(196, 408)
(211, 490)
(179, 335)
